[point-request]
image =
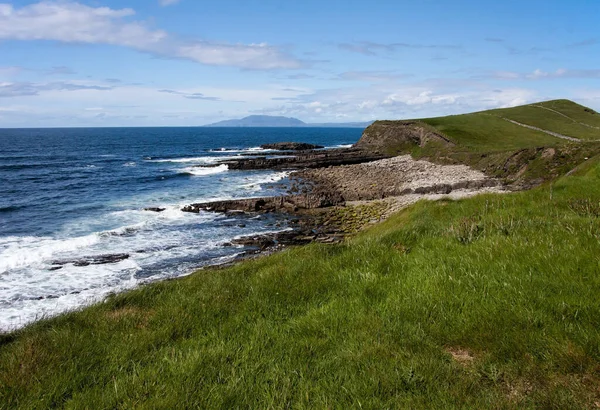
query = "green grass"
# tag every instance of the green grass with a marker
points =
(488, 142)
(483, 132)
(570, 124)
(574, 111)
(488, 130)
(511, 281)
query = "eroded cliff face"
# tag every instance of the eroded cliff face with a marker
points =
(394, 137)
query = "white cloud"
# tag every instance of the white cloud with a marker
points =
(539, 74)
(168, 2)
(72, 22)
(401, 102)
(22, 89)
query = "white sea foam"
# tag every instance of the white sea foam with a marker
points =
(262, 233)
(232, 150)
(201, 171)
(256, 182)
(198, 160)
(159, 244)
(30, 250)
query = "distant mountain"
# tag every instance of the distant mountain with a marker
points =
(278, 121)
(260, 121)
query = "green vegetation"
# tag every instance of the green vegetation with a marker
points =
(488, 302)
(483, 132)
(490, 131)
(351, 218)
(578, 124)
(488, 142)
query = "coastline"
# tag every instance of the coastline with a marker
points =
(337, 201)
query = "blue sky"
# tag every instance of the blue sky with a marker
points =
(193, 62)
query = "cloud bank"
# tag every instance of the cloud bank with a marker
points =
(71, 22)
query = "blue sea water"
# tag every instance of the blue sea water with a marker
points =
(67, 194)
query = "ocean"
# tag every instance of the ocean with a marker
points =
(68, 196)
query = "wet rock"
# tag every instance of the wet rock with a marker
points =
(307, 159)
(91, 260)
(318, 199)
(154, 209)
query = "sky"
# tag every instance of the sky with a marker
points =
(192, 62)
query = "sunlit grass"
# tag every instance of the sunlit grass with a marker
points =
(489, 302)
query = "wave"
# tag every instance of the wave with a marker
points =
(340, 146)
(124, 230)
(242, 150)
(205, 159)
(18, 252)
(256, 182)
(176, 160)
(201, 171)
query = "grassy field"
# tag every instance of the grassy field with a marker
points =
(553, 119)
(483, 132)
(489, 302)
(489, 131)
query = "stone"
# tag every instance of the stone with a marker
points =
(154, 209)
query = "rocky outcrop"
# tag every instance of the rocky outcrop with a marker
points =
(154, 209)
(396, 176)
(90, 260)
(286, 203)
(306, 159)
(291, 146)
(393, 137)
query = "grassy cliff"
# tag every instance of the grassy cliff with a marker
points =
(528, 144)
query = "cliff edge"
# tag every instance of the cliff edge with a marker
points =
(395, 137)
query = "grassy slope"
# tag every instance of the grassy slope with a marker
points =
(488, 131)
(486, 141)
(511, 279)
(571, 125)
(482, 132)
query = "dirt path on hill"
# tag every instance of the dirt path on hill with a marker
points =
(554, 134)
(566, 116)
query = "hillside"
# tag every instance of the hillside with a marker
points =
(533, 142)
(489, 302)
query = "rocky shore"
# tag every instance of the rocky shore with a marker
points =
(395, 176)
(313, 158)
(337, 192)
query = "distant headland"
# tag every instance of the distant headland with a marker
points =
(279, 121)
